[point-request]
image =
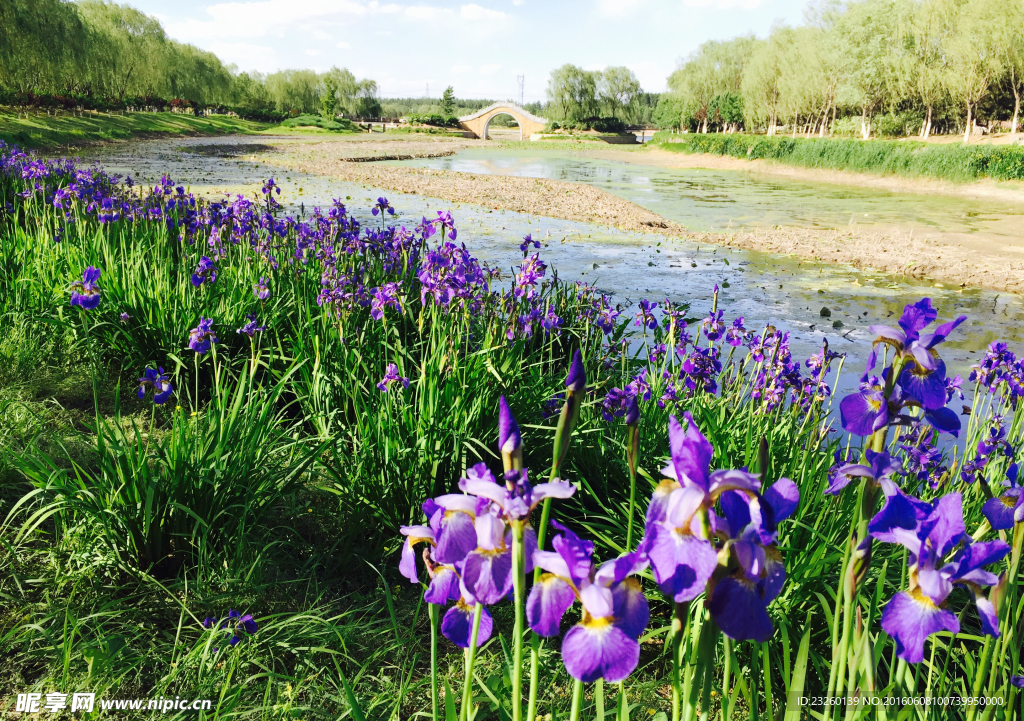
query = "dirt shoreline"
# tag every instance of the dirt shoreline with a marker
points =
(898, 251)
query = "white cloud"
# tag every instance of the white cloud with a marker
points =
(475, 12)
(459, 69)
(343, 45)
(425, 12)
(617, 8)
(488, 69)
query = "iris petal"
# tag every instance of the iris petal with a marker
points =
(488, 575)
(910, 619)
(599, 650)
(739, 610)
(999, 513)
(457, 626)
(682, 563)
(548, 601)
(456, 538)
(691, 451)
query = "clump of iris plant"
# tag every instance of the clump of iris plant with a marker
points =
(85, 293)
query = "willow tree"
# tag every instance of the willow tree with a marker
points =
(975, 52)
(573, 91)
(42, 43)
(760, 86)
(867, 35)
(617, 88)
(715, 68)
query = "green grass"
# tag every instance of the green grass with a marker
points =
(42, 131)
(315, 121)
(954, 162)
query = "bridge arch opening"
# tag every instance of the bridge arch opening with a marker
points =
(487, 125)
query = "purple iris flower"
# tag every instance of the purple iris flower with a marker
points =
(713, 326)
(1006, 509)
(604, 644)
(125, 317)
(236, 624)
(158, 382)
(880, 465)
(645, 317)
(931, 533)
(391, 377)
(516, 498)
(864, 413)
(252, 327)
(576, 379)
(260, 290)
(677, 534)
(524, 247)
(738, 599)
(202, 336)
(908, 340)
(736, 334)
(206, 272)
(85, 293)
(386, 296)
(382, 206)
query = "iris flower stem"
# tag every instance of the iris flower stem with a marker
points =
(518, 584)
(622, 714)
(632, 451)
(599, 699)
(531, 708)
(432, 612)
(726, 709)
(577, 698)
(467, 689)
(679, 619)
(979, 677)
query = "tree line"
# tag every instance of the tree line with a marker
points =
(577, 95)
(864, 67)
(103, 51)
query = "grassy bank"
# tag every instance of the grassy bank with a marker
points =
(355, 372)
(42, 131)
(953, 162)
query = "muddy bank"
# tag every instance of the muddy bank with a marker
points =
(537, 196)
(896, 250)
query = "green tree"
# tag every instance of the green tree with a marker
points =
(573, 91)
(448, 102)
(867, 34)
(760, 86)
(328, 98)
(975, 52)
(618, 88)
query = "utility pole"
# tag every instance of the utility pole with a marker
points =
(522, 81)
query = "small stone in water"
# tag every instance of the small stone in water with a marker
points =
(837, 324)
(825, 312)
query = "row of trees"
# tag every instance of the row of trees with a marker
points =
(576, 94)
(912, 65)
(98, 49)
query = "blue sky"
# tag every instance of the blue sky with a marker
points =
(477, 47)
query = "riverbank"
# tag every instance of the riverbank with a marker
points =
(40, 131)
(957, 163)
(897, 250)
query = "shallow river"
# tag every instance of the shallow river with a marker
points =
(783, 291)
(721, 200)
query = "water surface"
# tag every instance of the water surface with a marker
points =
(721, 200)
